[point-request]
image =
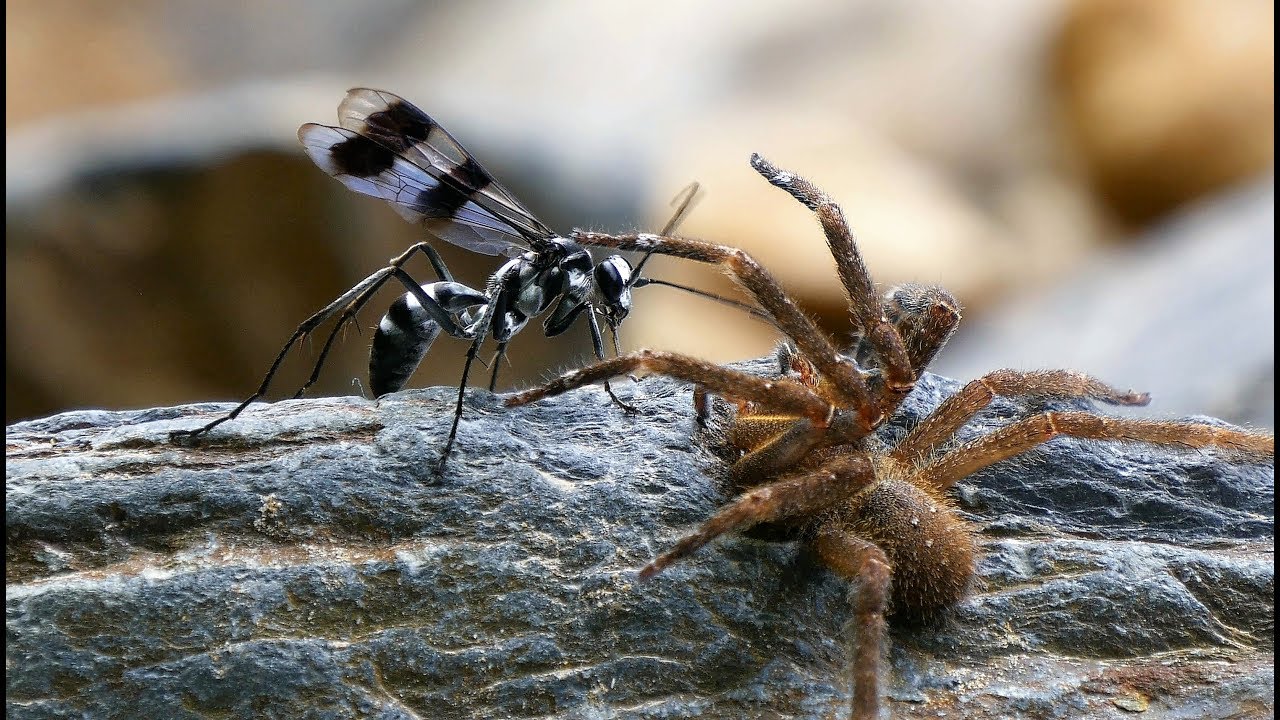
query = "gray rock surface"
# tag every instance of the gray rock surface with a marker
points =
(308, 563)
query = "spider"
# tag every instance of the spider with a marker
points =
(807, 458)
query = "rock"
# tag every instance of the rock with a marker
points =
(1165, 101)
(307, 562)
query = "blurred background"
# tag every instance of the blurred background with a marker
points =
(1092, 179)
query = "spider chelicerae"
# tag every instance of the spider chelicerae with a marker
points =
(877, 516)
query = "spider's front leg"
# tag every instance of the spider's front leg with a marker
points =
(848, 384)
(927, 316)
(798, 495)
(864, 304)
(784, 394)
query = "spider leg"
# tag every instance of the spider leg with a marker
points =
(865, 305)
(866, 565)
(836, 480)
(957, 410)
(783, 450)
(701, 405)
(847, 382)
(784, 395)
(1029, 432)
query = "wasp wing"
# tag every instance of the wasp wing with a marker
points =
(390, 149)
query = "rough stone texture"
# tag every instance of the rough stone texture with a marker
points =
(307, 563)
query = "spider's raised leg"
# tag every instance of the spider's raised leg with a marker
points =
(848, 384)
(866, 566)
(785, 395)
(1027, 433)
(957, 410)
(353, 299)
(864, 303)
(808, 493)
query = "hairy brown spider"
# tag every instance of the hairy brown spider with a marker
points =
(877, 516)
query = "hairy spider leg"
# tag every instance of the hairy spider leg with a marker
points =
(836, 480)
(864, 304)
(866, 567)
(788, 395)
(848, 383)
(1030, 432)
(684, 202)
(958, 409)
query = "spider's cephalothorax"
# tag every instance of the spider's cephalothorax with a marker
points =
(931, 550)
(808, 458)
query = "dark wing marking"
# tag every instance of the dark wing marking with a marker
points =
(399, 125)
(368, 168)
(390, 127)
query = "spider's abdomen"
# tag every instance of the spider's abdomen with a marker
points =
(931, 551)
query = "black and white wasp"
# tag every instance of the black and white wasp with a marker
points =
(386, 147)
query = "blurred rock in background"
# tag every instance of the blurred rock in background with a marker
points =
(1166, 101)
(1186, 313)
(165, 235)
